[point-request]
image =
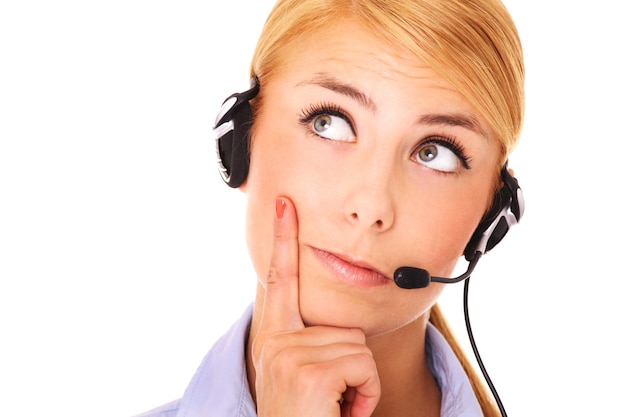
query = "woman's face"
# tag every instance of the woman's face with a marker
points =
(387, 166)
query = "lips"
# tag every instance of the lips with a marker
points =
(351, 271)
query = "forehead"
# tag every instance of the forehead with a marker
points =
(352, 47)
(384, 72)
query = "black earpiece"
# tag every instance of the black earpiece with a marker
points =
(232, 136)
(506, 210)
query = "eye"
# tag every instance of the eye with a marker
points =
(332, 127)
(329, 123)
(443, 155)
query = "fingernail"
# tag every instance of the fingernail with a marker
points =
(280, 208)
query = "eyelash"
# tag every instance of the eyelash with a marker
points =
(315, 110)
(449, 142)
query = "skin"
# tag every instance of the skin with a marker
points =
(328, 335)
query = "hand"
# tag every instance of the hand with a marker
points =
(306, 371)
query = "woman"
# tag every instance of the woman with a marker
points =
(379, 132)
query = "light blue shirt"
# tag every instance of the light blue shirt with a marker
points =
(220, 386)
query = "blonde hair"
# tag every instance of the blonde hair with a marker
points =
(473, 44)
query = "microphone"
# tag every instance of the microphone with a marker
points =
(409, 277)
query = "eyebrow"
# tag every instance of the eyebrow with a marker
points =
(466, 121)
(329, 82)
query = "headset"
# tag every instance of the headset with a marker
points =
(232, 130)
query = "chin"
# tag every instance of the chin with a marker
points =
(330, 314)
(327, 306)
(355, 310)
(328, 300)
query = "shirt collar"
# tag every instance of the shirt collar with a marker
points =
(457, 396)
(220, 385)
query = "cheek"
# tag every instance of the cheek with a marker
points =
(459, 224)
(443, 225)
(261, 192)
(258, 234)
(274, 171)
(477, 205)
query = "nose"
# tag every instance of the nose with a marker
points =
(369, 202)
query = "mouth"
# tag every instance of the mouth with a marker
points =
(353, 271)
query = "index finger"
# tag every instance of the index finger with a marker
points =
(281, 309)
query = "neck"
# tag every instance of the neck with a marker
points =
(408, 386)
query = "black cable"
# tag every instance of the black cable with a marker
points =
(475, 349)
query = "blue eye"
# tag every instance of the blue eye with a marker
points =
(442, 155)
(328, 122)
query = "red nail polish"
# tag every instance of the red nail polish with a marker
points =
(280, 208)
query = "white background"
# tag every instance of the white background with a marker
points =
(121, 250)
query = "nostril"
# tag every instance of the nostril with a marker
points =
(378, 223)
(369, 220)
